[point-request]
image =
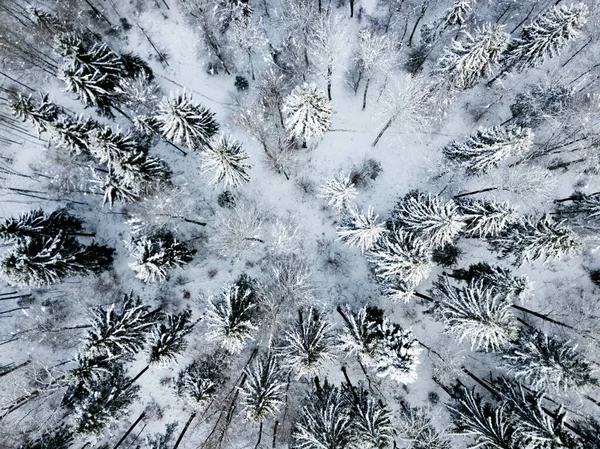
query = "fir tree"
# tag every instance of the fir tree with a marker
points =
(307, 113)
(457, 14)
(587, 206)
(116, 189)
(397, 355)
(361, 335)
(546, 36)
(73, 134)
(60, 438)
(496, 278)
(168, 338)
(476, 313)
(263, 390)
(416, 428)
(401, 261)
(93, 88)
(488, 147)
(158, 254)
(41, 113)
(486, 218)
(436, 223)
(546, 362)
(465, 63)
(37, 223)
(307, 344)
(360, 230)
(371, 420)
(49, 260)
(119, 331)
(488, 424)
(200, 381)
(338, 192)
(233, 317)
(227, 161)
(140, 172)
(588, 430)
(109, 146)
(543, 239)
(139, 94)
(180, 120)
(324, 422)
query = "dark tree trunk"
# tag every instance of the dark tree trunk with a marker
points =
(365, 94)
(424, 7)
(185, 428)
(351, 8)
(130, 430)
(385, 128)
(260, 432)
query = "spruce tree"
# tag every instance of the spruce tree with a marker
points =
(40, 113)
(200, 381)
(397, 355)
(73, 134)
(226, 160)
(307, 344)
(437, 223)
(181, 120)
(109, 146)
(156, 255)
(371, 419)
(307, 113)
(262, 393)
(114, 188)
(60, 438)
(458, 12)
(49, 260)
(488, 147)
(233, 317)
(361, 335)
(476, 313)
(92, 88)
(167, 339)
(497, 278)
(338, 192)
(486, 218)
(581, 205)
(360, 229)
(37, 223)
(546, 362)
(466, 62)
(546, 36)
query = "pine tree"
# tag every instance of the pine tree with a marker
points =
(486, 218)
(397, 355)
(360, 230)
(587, 206)
(307, 113)
(546, 362)
(401, 261)
(168, 338)
(476, 313)
(73, 134)
(537, 428)
(436, 223)
(158, 254)
(338, 192)
(41, 113)
(119, 331)
(361, 335)
(371, 419)
(37, 223)
(530, 240)
(141, 173)
(200, 381)
(60, 438)
(227, 161)
(180, 120)
(588, 430)
(116, 189)
(307, 344)
(465, 63)
(456, 15)
(49, 260)
(488, 424)
(416, 428)
(105, 402)
(263, 390)
(496, 278)
(109, 146)
(139, 94)
(233, 317)
(324, 422)
(546, 36)
(488, 147)
(93, 88)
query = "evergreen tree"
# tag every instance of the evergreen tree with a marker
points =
(49, 260)
(73, 134)
(307, 113)
(61, 438)
(486, 218)
(92, 88)
(141, 173)
(200, 381)
(488, 147)
(37, 223)
(530, 240)
(116, 189)
(41, 113)
(417, 430)
(307, 344)
(119, 331)
(263, 390)
(588, 430)
(436, 223)
(587, 206)
(180, 120)
(488, 424)
(546, 362)
(546, 36)
(168, 338)
(158, 254)
(476, 313)
(139, 94)
(360, 230)
(397, 355)
(361, 335)
(496, 278)
(338, 192)
(324, 422)
(457, 14)
(233, 317)
(109, 146)
(401, 261)
(541, 102)
(227, 161)
(465, 63)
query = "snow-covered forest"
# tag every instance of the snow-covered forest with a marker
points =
(304, 224)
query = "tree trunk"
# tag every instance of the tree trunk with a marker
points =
(260, 432)
(14, 368)
(365, 94)
(185, 428)
(385, 128)
(424, 7)
(474, 192)
(329, 74)
(130, 430)
(275, 426)
(351, 8)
